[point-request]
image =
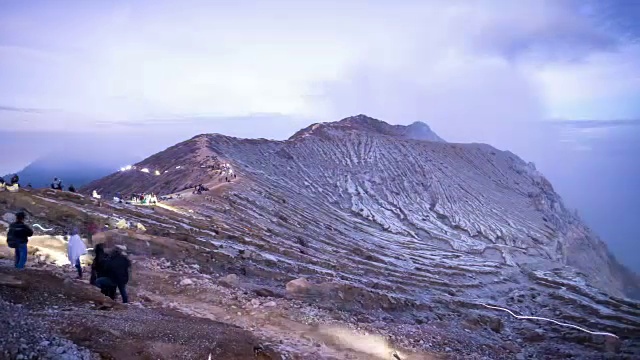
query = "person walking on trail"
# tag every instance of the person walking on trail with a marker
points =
(76, 248)
(99, 270)
(18, 237)
(118, 269)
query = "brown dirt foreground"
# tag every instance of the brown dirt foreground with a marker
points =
(116, 331)
(178, 311)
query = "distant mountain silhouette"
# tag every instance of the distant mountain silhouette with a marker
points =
(72, 171)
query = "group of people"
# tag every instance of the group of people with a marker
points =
(144, 199)
(198, 189)
(110, 271)
(12, 185)
(57, 185)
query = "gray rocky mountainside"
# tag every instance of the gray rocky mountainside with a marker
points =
(404, 220)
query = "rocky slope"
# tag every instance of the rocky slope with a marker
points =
(384, 218)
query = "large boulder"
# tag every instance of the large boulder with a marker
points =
(229, 281)
(9, 217)
(298, 286)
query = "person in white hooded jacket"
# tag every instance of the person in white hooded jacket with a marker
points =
(76, 249)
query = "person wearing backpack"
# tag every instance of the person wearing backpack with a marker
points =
(18, 237)
(99, 270)
(118, 271)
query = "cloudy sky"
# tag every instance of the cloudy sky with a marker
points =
(71, 64)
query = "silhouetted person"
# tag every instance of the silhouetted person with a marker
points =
(15, 179)
(56, 184)
(18, 237)
(118, 268)
(72, 188)
(99, 270)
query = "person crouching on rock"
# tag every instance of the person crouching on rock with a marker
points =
(18, 237)
(99, 271)
(76, 248)
(118, 268)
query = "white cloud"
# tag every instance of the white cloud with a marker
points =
(496, 62)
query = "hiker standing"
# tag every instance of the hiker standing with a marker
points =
(99, 270)
(118, 267)
(76, 249)
(18, 237)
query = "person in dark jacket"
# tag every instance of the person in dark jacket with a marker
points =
(18, 237)
(72, 188)
(118, 269)
(15, 179)
(99, 270)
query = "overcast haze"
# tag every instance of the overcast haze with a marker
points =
(122, 77)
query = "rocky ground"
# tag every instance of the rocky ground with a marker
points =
(193, 298)
(182, 311)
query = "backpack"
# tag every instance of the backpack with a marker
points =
(12, 242)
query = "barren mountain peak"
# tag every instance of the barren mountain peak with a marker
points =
(370, 125)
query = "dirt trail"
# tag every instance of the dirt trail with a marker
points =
(178, 312)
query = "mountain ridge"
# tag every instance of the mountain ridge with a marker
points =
(78, 172)
(398, 224)
(541, 224)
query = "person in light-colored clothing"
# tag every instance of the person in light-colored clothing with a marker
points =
(76, 249)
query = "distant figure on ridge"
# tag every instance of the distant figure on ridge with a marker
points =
(15, 179)
(76, 248)
(18, 237)
(56, 184)
(95, 194)
(72, 188)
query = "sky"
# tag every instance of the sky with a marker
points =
(112, 77)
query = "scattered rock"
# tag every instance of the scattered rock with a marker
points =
(302, 241)
(264, 292)
(495, 324)
(270, 304)
(536, 335)
(230, 280)
(9, 217)
(186, 282)
(298, 286)
(8, 280)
